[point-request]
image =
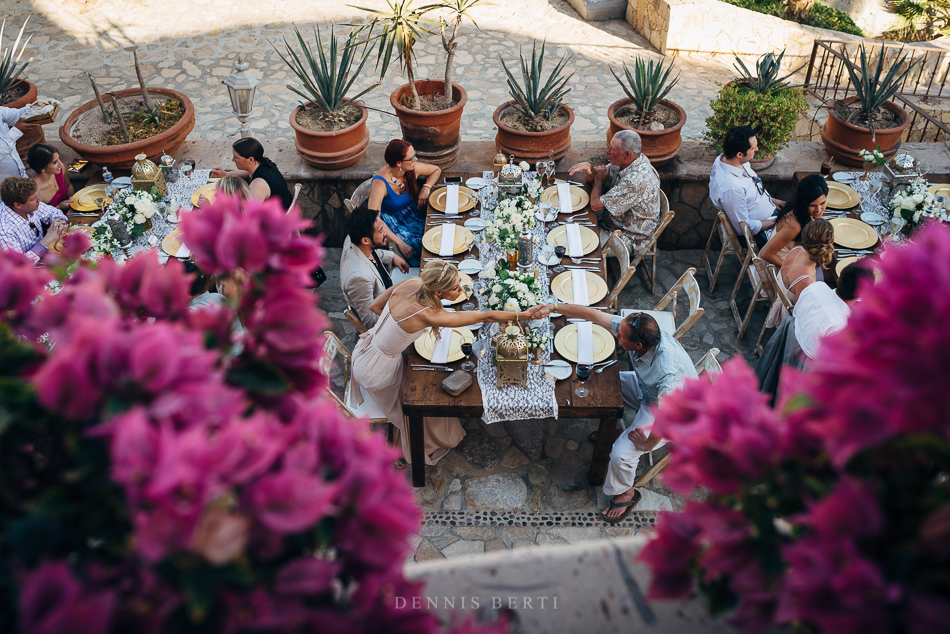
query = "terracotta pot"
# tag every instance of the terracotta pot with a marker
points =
(122, 156)
(332, 150)
(762, 163)
(435, 136)
(843, 140)
(533, 146)
(32, 132)
(661, 146)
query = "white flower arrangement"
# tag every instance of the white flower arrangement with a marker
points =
(538, 337)
(532, 188)
(507, 290)
(914, 203)
(872, 156)
(102, 241)
(524, 166)
(516, 210)
(134, 208)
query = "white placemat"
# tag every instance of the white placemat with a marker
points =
(447, 247)
(579, 282)
(440, 353)
(574, 247)
(564, 198)
(585, 342)
(452, 200)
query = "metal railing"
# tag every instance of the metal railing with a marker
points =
(827, 79)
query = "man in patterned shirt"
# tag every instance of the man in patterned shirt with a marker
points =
(660, 365)
(23, 218)
(626, 192)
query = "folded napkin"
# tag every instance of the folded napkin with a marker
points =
(452, 200)
(447, 247)
(579, 282)
(564, 198)
(183, 251)
(585, 342)
(440, 354)
(574, 246)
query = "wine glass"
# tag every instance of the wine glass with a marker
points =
(468, 305)
(467, 365)
(583, 373)
(826, 166)
(552, 300)
(559, 251)
(474, 197)
(186, 168)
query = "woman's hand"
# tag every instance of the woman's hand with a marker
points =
(424, 196)
(217, 172)
(404, 248)
(539, 311)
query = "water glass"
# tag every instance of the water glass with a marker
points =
(547, 252)
(546, 211)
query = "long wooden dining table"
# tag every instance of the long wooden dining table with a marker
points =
(423, 394)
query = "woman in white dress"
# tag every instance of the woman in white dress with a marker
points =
(405, 310)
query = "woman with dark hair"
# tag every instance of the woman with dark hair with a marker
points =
(808, 204)
(265, 180)
(50, 176)
(401, 202)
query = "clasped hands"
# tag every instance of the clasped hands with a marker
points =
(56, 230)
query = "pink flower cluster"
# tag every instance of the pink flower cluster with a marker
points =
(245, 503)
(830, 511)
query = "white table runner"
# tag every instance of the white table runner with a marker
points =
(513, 402)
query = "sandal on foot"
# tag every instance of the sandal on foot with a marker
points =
(628, 506)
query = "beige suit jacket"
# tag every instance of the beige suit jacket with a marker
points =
(360, 280)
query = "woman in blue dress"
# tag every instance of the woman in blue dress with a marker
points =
(401, 202)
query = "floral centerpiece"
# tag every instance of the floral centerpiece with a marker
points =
(135, 209)
(505, 289)
(531, 187)
(538, 337)
(102, 241)
(511, 217)
(913, 204)
(873, 156)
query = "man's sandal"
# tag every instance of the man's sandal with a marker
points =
(628, 506)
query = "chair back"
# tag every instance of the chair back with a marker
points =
(616, 247)
(709, 364)
(779, 294)
(686, 283)
(728, 233)
(359, 197)
(293, 201)
(666, 215)
(333, 347)
(350, 314)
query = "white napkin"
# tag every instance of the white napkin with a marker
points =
(564, 198)
(440, 354)
(183, 251)
(574, 247)
(579, 281)
(447, 247)
(585, 342)
(452, 200)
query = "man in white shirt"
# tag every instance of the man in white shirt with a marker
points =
(736, 189)
(821, 311)
(363, 273)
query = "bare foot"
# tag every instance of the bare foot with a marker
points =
(623, 497)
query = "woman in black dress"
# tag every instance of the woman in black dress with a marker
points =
(266, 181)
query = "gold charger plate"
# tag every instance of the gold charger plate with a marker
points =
(565, 342)
(841, 196)
(563, 287)
(437, 198)
(940, 189)
(208, 190)
(589, 239)
(466, 282)
(845, 262)
(57, 245)
(90, 198)
(853, 234)
(579, 197)
(172, 242)
(425, 344)
(432, 239)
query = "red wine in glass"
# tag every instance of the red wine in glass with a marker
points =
(467, 365)
(559, 251)
(826, 167)
(583, 373)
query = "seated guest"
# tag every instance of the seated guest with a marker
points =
(809, 204)
(821, 311)
(10, 163)
(54, 188)
(363, 270)
(401, 202)
(266, 180)
(660, 366)
(23, 219)
(233, 185)
(626, 192)
(735, 189)
(801, 266)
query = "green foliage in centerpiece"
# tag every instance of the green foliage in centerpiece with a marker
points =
(505, 289)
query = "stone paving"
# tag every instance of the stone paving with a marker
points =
(522, 484)
(190, 46)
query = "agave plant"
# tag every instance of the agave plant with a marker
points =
(537, 101)
(327, 78)
(646, 87)
(10, 66)
(766, 79)
(872, 89)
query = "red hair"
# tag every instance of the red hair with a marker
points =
(396, 151)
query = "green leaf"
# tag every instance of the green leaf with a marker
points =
(199, 584)
(258, 376)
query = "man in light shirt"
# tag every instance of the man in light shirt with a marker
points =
(736, 189)
(821, 311)
(26, 224)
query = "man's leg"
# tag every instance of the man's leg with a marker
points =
(621, 473)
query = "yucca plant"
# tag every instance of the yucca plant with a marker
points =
(10, 66)
(646, 87)
(871, 88)
(920, 20)
(766, 78)
(537, 102)
(327, 78)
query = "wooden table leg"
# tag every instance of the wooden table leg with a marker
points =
(417, 450)
(606, 435)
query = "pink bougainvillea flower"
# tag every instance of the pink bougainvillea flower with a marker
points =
(306, 577)
(75, 244)
(290, 502)
(53, 602)
(20, 283)
(134, 447)
(671, 554)
(850, 511)
(65, 384)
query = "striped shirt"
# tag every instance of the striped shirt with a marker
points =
(24, 234)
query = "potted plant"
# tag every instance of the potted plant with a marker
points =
(16, 91)
(430, 110)
(645, 110)
(762, 100)
(329, 128)
(868, 119)
(535, 124)
(143, 120)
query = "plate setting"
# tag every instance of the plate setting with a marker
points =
(432, 240)
(589, 238)
(853, 234)
(841, 196)
(437, 199)
(563, 287)
(565, 342)
(425, 344)
(579, 197)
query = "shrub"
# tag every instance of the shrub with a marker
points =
(821, 15)
(772, 116)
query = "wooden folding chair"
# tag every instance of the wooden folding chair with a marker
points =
(666, 215)
(350, 314)
(332, 348)
(359, 197)
(616, 247)
(666, 319)
(776, 291)
(293, 202)
(761, 289)
(730, 246)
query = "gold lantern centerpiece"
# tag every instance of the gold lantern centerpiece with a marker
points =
(511, 357)
(146, 175)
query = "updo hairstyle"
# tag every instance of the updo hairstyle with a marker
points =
(818, 240)
(437, 276)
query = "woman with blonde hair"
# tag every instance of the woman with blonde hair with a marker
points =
(405, 310)
(232, 185)
(800, 267)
